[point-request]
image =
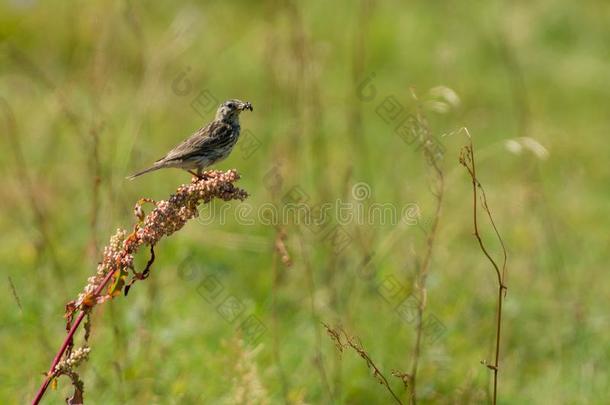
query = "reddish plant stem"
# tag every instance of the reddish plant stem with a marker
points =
(164, 220)
(66, 343)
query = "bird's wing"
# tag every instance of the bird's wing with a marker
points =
(212, 136)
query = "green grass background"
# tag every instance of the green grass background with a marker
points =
(71, 72)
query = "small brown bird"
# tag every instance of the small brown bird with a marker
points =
(208, 145)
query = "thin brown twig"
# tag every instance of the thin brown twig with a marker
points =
(422, 277)
(14, 291)
(467, 159)
(343, 340)
(424, 268)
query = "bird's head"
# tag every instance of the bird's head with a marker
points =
(229, 110)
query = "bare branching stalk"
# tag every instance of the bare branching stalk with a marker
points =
(343, 341)
(467, 160)
(430, 154)
(421, 290)
(167, 217)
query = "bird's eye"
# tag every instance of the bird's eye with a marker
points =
(231, 105)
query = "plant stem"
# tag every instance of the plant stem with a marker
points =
(422, 274)
(498, 329)
(421, 284)
(467, 160)
(66, 343)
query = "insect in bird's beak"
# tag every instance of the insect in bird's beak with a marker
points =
(247, 106)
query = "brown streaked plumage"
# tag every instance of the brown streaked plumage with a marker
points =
(208, 145)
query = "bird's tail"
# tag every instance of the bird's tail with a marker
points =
(150, 169)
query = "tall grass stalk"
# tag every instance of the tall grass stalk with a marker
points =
(424, 267)
(467, 159)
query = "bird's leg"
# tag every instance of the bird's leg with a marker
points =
(194, 174)
(199, 174)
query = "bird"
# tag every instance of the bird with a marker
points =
(208, 145)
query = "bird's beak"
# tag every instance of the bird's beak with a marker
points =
(247, 106)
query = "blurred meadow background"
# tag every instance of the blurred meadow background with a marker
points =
(93, 91)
